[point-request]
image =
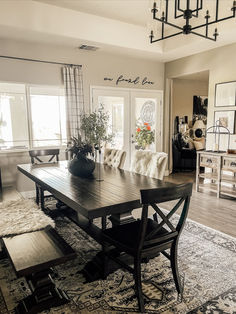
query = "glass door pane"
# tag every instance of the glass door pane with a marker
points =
(146, 121)
(115, 107)
(116, 103)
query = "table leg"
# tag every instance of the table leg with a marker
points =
(42, 199)
(44, 294)
(94, 269)
(3, 253)
(37, 194)
(121, 219)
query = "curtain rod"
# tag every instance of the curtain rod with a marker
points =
(42, 61)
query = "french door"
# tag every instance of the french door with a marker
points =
(135, 117)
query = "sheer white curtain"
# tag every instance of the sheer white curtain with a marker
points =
(73, 83)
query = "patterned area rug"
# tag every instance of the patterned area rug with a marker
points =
(207, 262)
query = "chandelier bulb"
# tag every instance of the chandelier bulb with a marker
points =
(216, 33)
(207, 14)
(151, 35)
(154, 9)
(163, 16)
(234, 6)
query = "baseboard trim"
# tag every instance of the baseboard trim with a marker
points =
(167, 172)
(28, 194)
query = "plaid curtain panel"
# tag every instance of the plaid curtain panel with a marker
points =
(73, 83)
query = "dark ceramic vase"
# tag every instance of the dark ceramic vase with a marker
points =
(81, 166)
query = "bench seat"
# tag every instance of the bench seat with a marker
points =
(32, 255)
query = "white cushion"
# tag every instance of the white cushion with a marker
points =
(114, 157)
(149, 164)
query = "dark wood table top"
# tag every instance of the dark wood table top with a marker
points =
(118, 193)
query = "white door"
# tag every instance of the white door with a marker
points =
(130, 109)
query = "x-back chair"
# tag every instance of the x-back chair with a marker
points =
(146, 238)
(38, 157)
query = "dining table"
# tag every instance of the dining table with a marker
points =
(109, 192)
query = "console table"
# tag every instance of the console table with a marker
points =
(219, 174)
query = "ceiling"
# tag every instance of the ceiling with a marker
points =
(198, 76)
(129, 11)
(115, 26)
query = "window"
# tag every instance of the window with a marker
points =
(13, 116)
(48, 116)
(31, 116)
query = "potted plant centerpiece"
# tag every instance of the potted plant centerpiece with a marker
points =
(81, 165)
(95, 127)
(92, 134)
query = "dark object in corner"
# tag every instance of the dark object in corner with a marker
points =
(184, 158)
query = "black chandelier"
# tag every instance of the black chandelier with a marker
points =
(187, 14)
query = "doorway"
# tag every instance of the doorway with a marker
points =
(188, 117)
(132, 111)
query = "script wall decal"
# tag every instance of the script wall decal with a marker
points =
(134, 81)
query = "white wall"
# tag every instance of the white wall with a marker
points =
(221, 65)
(96, 66)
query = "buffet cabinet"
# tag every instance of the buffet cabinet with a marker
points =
(216, 172)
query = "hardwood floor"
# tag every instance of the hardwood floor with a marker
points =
(205, 208)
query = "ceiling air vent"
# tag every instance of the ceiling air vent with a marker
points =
(86, 47)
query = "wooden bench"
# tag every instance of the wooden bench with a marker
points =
(32, 255)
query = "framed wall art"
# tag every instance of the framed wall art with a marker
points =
(225, 94)
(227, 119)
(200, 105)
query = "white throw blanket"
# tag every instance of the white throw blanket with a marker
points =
(21, 216)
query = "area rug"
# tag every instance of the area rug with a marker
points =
(207, 262)
(20, 216)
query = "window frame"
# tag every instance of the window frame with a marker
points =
(27, 87)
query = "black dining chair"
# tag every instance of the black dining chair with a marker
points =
(146, 238)
(40, 156)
